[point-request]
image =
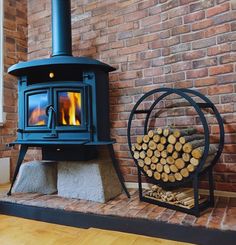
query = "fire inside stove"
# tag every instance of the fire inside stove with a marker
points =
(37, 104)
(69, 108)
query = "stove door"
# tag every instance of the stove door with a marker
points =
(69, 108)
(37, 103)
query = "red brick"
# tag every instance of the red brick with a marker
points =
(182, 2)
(171, 23)
(201, 5)
(136, 15)
(204, 43)
(183, 84)
(156, 44)
(228, 58)
(192, 36)
(219, 49)
(229, 16)
(171, 41)
(175, 77)
(150, 20)
(217, 10)
(172, 58)
(233, 26)
(220, 89)
(230, 158)
(205, 82)
(194, 17)
(202, 24)
(217, 29)
(116, 21)
(147, 4)
(181, 66)
(197, 73)
(220, 69)
(204, 63)
(180, 11)
(133, 49)
(194, 55)
(180, 29)
(227, 37)
(169, 5)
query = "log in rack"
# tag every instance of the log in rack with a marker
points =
(200, 170)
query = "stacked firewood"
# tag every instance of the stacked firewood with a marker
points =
(171, 154)
(181, 197)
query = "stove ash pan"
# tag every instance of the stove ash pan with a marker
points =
(64, 104)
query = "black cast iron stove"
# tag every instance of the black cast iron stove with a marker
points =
(63, 102)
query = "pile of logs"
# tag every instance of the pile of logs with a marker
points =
(171, 154)
(181, 197)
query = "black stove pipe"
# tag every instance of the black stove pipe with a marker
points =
(61, 28)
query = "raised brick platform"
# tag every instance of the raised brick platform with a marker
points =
(221, 217)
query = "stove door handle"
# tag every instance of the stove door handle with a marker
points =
(51, 113)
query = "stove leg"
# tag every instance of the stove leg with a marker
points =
(117, 169)
(23, 150)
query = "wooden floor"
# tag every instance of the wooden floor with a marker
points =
(18, 231)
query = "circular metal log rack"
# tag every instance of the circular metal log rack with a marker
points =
(200, 170)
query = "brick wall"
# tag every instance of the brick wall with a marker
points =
(178, 43)
(15, 49)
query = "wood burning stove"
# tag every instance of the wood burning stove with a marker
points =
(73, 108)
(63, 100)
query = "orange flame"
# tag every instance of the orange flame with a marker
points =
(35, 115)
(68, 108)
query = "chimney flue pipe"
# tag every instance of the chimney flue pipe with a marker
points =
(61, 28)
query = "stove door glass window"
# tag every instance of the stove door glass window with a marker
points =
(37, 104)
(69, 104)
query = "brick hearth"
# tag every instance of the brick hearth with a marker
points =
(221, 217)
